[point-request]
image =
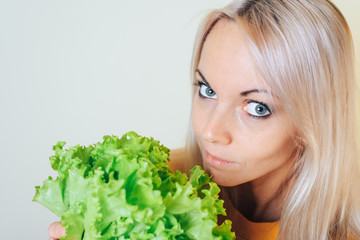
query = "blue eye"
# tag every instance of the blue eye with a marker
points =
(204, 90)
(257, 109)
(207, 92)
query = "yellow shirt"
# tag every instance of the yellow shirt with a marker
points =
(245, 229)
(248, 230)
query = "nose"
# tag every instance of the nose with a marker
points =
(218, 128)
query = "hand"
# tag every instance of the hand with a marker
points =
(56, 231)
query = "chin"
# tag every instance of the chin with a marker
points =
(222, 178)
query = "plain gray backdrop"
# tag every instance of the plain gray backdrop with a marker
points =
(78, 70)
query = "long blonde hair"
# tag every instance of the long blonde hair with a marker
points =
(303, 49)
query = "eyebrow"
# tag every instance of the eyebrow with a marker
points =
(203, 78)
(243, 94)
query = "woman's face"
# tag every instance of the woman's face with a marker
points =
(241, 136)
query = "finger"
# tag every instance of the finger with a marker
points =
(56, 231)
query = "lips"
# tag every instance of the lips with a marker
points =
(212, 160)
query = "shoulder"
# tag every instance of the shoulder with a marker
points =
(349, 237)
(178, 159)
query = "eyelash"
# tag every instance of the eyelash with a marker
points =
(248, 101)
(198, 83)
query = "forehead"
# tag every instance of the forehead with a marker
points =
(225, 56)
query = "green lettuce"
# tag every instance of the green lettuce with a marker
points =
(123, 189)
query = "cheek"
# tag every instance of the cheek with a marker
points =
(266, 143)
(263, 144)
(195, 117)
(198, 116)
(268, 153)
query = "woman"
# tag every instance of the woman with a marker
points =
(273, 119)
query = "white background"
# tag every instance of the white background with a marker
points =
(77, 70)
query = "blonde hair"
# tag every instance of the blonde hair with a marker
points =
(303, 49)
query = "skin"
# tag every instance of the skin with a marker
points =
(56, 231)
(251, 156)
(254, 155)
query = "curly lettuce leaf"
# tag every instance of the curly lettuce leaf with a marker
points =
(122, 188)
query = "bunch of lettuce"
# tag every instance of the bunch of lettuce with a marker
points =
(123, 189)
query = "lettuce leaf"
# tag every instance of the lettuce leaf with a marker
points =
(122, 188)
